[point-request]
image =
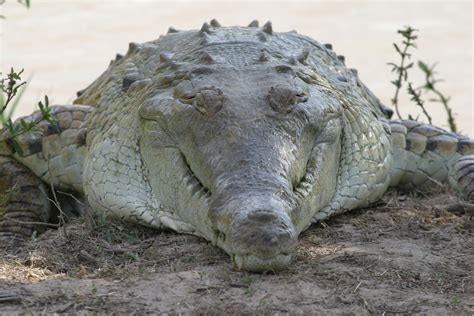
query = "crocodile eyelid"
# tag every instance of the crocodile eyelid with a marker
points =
(208, 100)
(284, 69)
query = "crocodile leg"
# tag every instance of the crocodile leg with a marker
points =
(51, 156)
(56, 153)
(424, 155)
(23, 201)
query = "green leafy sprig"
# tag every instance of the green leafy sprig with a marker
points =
(409, 37)
(416, 97)
(10, 86)
(23, 126)
(430, 87)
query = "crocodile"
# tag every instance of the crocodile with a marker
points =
(241, 135)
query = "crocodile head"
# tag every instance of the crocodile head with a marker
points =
(243, 158)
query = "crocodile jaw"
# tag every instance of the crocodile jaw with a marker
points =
(253, 263)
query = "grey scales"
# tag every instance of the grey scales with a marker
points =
(241, 135)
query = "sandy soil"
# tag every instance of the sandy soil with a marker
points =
(404, 256)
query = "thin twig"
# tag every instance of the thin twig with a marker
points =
(70, 195)
(31, 223)
(444, 101)
(62, 215)
(357, 287)
(402, 69)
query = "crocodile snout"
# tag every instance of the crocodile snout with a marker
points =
(261, 239)
(262, 232)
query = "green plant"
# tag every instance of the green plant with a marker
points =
(10, 88)
(26, 3)
(401, 70)
(429, 86)
(23, 126)
(416, 97)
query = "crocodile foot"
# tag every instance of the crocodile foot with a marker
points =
(24, 204)
(462, 177)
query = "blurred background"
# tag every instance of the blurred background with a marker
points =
(64, 45)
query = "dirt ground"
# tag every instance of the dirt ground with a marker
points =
(407, 255)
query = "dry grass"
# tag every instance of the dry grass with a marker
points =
(405, 255)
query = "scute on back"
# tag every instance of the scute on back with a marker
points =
(165, 61)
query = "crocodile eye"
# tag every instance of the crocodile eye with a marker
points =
(207, 101)
(187, 98)
(284, 99)
(184, 92)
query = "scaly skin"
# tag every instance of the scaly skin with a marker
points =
(240, 135)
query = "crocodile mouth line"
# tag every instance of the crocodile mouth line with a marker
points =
(192, 182)
(307, 181)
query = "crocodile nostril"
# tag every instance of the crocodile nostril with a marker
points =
(270, 239)
(262, 216)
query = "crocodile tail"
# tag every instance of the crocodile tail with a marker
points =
(425, 155)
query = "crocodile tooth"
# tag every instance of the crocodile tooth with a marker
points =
(267, 28)
(172, 30)
(328, 46)
(215, 23)
(254, 23)
(192, 184)
(194, 187)
(200, 192)
(118, 56)
(188, 178)
(205, 28)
